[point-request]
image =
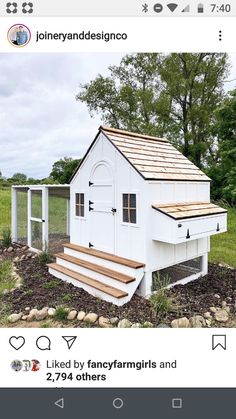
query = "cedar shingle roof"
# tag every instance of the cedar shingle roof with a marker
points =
(154, 158)
(189, 210)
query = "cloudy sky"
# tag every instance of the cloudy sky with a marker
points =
(40, 120)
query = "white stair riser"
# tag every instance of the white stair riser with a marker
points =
(130, 288)
(90, 290)
(103, 262)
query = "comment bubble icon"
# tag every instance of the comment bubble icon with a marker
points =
(43, 343)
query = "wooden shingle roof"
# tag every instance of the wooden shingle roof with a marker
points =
(154, 158)
(189, 210)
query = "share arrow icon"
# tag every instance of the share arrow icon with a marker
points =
(70, 340)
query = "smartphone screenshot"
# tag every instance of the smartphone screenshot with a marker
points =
(117, 209)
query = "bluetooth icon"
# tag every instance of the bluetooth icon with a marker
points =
(145, 8)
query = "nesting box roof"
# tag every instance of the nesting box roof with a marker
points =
(189, 209)
(154, 158)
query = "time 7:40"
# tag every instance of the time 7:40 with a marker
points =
(224, 8)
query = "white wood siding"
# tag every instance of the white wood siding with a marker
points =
(136, 241)
(129, 238)
(171, 192)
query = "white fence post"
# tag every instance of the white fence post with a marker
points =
(45, 218)
(29, 227)
(68, 217)
(14, 214)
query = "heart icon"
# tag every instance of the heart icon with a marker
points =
(17, 342)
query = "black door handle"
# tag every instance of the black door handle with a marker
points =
(188, 235)
(113, 210)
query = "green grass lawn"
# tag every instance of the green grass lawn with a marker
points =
(5, 209)
(6, 279)
(223, 246)
(57, 212)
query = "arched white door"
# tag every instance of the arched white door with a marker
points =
(101, 208)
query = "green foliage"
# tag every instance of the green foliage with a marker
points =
(6, 280)
(29, 292)
(5, 209)
(19, 178)
(45, 257)
(63, 169)
(127, 98)
(51, 284)
(172, 95)
(66, 298)
(36, 232)
(223, 172)
(57, 213)
(161, 303)
(158, 282)
(61, 314)
(147, 325)
(223, 246)
(6, 237)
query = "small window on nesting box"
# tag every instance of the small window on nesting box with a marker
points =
(79, 204)
(129, 208)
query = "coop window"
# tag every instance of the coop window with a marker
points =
(129, 208)
(79, 204)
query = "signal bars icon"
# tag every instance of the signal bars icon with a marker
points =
(186, 9)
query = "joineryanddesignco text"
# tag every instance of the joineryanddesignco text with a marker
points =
(82, 36)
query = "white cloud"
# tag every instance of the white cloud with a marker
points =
(40, 120)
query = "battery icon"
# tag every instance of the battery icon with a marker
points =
(200, 8)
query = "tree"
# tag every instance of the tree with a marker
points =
(63, 169)
(223, 172)
(193, 88)
(19, 178)
(171, 95)
(127, 99)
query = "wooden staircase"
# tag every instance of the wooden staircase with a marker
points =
(104, 275)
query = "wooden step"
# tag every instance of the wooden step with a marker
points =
(114, 292)
(126, 279)
(104, 255)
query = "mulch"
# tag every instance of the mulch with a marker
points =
(41, 289)
(198, 296)
(36, 293)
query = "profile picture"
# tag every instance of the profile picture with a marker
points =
(16, 365)
(35, 365)
(26, 365)
(19, 35)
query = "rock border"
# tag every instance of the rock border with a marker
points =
(88, 319)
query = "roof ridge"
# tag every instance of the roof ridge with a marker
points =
(133, 134)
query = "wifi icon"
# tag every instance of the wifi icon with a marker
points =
(172, 6)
